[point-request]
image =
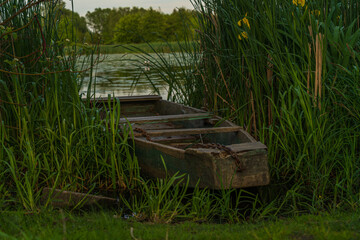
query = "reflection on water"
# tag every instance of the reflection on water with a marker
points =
(118, 73)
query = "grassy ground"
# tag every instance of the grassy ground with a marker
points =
(59, 225)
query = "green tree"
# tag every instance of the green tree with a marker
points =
(103, 21)
(140, 26)
(179, 24)
(152, 25)
(127, 30)
(135, 25)
(72, 26)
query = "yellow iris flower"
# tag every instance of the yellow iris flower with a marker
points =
(299, 2)
(243, 35)
(245, 21)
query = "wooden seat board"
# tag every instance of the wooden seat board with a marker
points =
(156, 126)
(187, 131)
(166, 118)
(172, 139)
(246, 146)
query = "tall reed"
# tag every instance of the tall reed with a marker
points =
(49, 136)
(295, 68)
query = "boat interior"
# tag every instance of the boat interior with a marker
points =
(176, 125)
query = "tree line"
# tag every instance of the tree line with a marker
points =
(127, 25)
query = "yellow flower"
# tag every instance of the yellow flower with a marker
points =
(245, 21)
(315, 12)
(243, 35)
(299, 2)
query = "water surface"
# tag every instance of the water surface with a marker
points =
(125, 75)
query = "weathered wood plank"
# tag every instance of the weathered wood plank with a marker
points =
(224, 173)
(156, 126)
(60, 198)
(174, 139)
(241, 147)
(186, 131)
(246, 146)
(131, 98)
(166, 118)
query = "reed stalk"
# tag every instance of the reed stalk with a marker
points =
(49, 137)
(292, 95)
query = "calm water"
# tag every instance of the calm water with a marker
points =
(121, 75)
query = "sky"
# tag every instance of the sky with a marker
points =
(166, 6)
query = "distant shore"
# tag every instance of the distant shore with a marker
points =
(160, 47)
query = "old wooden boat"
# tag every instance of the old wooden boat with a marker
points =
(211, 150)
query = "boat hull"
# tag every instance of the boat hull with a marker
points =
(210, 168)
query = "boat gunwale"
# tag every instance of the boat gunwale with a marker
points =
(139, 98)
(169, 118)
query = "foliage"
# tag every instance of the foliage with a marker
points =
(180, 25)
(160, 200)
(128, 28)
(50, 137)
(291, 80)
(102, 21)
(139, 25)
(72, 26)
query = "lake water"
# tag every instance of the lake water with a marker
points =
(125, 75)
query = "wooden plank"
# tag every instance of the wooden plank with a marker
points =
(60, 198)
(156, 126)
(174, 139)
(166, 118)
(131, 98)
(241, 147)
(214, 168)
(225, 170)
(246, 146)
(186, 131)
